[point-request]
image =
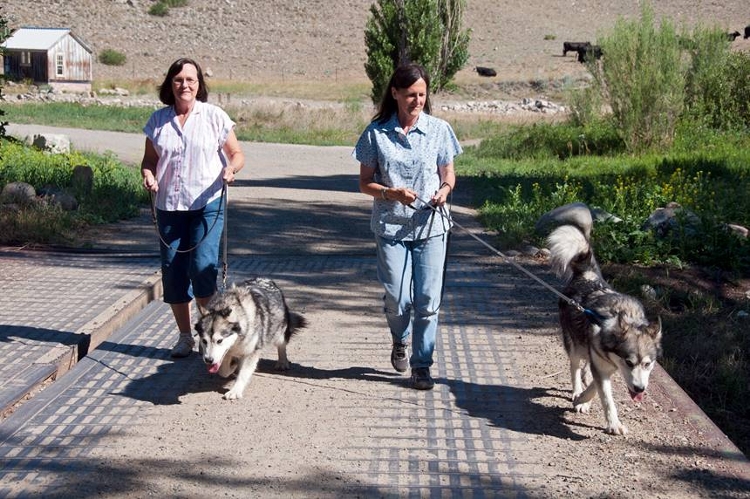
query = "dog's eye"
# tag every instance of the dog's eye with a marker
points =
(236, 329)
(646, 365)
(218, 342)
(629, 363)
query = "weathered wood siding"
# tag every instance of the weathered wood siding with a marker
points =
(76, 61)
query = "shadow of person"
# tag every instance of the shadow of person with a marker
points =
(513, 408)
(268, 366)
(173, 379)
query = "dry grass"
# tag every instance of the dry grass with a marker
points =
(282, 43)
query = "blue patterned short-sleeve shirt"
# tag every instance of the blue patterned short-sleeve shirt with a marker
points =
(407, 160)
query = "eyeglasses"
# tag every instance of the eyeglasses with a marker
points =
(190, 82)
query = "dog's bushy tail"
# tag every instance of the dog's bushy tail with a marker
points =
(295, 322)
(570, 251)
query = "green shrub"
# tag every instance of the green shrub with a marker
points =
(175, 3)
(112, 57)
(642, 79)
(116, 193)
(518, 182)
(160, 9)
(718, 83)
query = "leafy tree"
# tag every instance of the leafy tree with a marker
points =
(427, 32)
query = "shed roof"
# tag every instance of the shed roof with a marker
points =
(32, 38)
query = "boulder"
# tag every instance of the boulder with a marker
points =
(54, 143)
(19, 193)
(56, 196)
(83, 179)
(664, 221)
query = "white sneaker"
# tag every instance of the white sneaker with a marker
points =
(184, 346)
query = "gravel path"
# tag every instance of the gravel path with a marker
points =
(342, 421)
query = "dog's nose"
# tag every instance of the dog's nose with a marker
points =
(208, 360)
(639, 389)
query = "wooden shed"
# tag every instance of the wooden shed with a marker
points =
(52, 56)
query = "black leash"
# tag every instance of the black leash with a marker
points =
(596, 318)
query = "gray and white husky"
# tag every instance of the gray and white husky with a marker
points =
(238, 324)
(613, 334)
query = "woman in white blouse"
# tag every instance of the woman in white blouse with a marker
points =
(191, 152)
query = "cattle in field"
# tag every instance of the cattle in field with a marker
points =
(574, 46)
(747, 32)
(485, 71)
(590, 53)
(733, 35)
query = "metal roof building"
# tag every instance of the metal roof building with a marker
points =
(52, 56)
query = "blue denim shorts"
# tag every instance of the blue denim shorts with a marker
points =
(191, 274)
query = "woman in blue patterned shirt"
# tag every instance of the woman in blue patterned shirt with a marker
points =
(406, 164)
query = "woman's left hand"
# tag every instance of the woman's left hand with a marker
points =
(228, 174)
(441, 196)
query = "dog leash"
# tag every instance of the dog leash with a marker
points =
(225, 243)
(224, 205)
(596, 318)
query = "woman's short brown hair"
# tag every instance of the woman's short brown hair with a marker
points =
(166, 95)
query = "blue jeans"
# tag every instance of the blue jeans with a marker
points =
(185, 275)
(412, 274)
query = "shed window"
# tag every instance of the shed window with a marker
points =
(59, 65)
(25, 58)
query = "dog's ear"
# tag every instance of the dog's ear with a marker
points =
(654, 329)
(198, 327)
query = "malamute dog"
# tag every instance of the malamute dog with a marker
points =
(238, 324)
(613, 334)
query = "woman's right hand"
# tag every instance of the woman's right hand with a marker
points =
(403, 195)
(149, 182)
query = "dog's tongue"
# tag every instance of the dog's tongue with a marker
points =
(214, 368)
(637, 397)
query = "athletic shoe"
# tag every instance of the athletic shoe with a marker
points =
(184, 346)
(400, 357)
(421, 379)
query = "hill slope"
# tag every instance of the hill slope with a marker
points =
(288, 40)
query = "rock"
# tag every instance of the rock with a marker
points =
(738, 230)
(83, 179)
(668, 219)
(19, 193)
(54, 143)
(53, 195)
(649, 292)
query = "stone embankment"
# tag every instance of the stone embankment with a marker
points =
(122, 97)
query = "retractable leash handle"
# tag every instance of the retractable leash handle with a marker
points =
(595, 318)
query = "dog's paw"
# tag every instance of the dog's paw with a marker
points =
(579, 406)
(282, 366)
(617, 428)
(233, 395)
(583, 408)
